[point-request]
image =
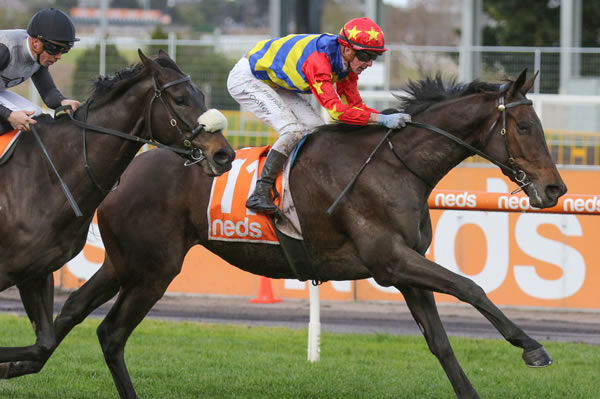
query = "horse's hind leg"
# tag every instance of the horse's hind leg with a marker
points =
(37, 296)
(101, 287)
(423, 309)
(130, 308)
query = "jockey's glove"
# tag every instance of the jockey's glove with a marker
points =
(393, 121)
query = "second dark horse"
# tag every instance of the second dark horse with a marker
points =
(381, 228)
(39, 231)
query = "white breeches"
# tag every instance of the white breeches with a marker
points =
(289, 113)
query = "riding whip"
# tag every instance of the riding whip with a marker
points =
(353, 180)
(62, 183)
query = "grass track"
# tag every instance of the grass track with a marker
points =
(192, 360)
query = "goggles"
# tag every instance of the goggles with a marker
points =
(54, 48)
(366, 55)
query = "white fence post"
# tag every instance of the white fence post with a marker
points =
(314, 324)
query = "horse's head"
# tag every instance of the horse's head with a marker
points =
(517, 140)
(177, 116)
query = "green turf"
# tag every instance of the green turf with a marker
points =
(192, 360)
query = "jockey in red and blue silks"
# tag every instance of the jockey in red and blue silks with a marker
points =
(312, 63)
(271, 82)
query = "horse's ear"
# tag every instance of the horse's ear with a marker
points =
(148, 63)
(163, 54)
(518, 84)
(528, 84)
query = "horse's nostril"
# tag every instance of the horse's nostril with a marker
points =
(223, 158)
(555, 190)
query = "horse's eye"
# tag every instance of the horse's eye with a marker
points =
(523, 128)
(180, 100)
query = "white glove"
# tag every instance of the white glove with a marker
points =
(393, 121)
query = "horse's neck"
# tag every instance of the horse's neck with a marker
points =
(434, 154)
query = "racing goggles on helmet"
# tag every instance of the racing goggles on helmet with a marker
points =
(53, 47)
(366, 55)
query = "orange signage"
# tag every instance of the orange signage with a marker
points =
(577, 204)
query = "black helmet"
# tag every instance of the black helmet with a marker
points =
(52, 24)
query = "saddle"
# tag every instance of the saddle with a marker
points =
(230, 220)
(8, 143)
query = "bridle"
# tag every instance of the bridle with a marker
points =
(193, 154)
(519, 175)
(196, 153)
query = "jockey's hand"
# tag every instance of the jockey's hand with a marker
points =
(393, 121)
(73, 103)
(22, 119)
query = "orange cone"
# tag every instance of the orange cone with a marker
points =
(265, 292)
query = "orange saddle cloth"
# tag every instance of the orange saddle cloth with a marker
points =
(7, 140)
(228, 217)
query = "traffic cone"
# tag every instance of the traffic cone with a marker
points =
(265, 292)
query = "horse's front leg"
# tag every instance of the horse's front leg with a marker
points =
(413, 269)
(101, 287)
(37, 295)
(133, 303)
(423, 309)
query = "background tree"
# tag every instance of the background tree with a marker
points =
(86, 69)
(514, 23)
(518, 23)
(209, 71)
(157, 34)
(65, 5)
(537, 23)
(124, 4)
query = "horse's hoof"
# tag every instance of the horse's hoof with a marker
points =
(4, 367)
(537, 358)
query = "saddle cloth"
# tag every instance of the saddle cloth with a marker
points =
(7, 141)
(228, 217)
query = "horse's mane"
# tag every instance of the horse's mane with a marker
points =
(422, 94)
(105, 88)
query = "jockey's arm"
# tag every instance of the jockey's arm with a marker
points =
(51, 96)
(44, 84)
(317, 70)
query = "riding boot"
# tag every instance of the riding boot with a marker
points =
(261, 200)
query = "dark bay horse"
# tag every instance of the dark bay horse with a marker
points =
(39, 231)
(380, 229)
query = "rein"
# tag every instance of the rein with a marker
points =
(63, 185)
(191, 152)
(519, 175)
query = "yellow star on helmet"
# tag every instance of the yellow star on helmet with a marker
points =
(335, 115)
(353, 32)
(317, 86)
(373, 34)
